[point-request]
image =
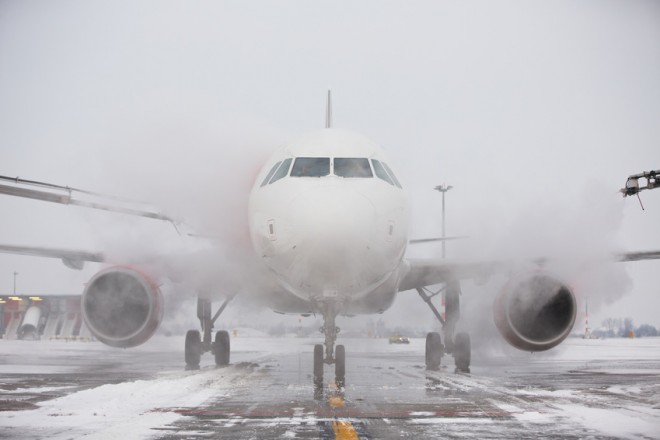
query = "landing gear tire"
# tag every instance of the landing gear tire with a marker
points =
(318, 365)
(434, 351)
(462, 352)
(193, 351)
(340, 366)
(221, 348)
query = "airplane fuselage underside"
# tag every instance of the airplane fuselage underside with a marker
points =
(376, 301)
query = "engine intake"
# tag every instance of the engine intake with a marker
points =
(122, 307)
(535, 312)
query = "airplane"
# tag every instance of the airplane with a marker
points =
(329, 221)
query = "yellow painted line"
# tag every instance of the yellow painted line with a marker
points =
(336, 402)
(344, 431)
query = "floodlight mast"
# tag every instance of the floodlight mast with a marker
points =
(328, 111)
(443, 189)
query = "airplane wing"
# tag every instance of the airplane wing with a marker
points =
(64, 195)
(73, 259)
(432, 240)
(427, 272)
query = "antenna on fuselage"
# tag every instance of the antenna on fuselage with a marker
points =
(328, 111)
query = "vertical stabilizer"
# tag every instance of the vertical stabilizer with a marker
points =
(328, 111)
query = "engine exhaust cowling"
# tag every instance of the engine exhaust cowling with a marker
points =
(122, 307)
(535, 312)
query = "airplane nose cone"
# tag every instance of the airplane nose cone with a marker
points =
(334, 219)
(335, 251)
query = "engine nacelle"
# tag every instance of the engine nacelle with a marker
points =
(535, 312)
(122, 307)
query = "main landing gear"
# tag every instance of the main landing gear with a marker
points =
(196, 345)
(457, 345)
(338, 357)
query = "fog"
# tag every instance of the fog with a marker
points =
(535, 112)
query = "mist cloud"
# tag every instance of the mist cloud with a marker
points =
(535, 113)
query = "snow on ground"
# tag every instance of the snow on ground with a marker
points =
(36, 390)
(112, 411)
(624, 390)
(615, 349)
(620, 422)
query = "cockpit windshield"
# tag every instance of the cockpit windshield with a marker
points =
(270, 173)
(346, 167)
(384, 172)
(391, 173)
(311, 167)
(282, 171)
(352, 167)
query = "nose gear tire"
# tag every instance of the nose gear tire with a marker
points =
(318, 365)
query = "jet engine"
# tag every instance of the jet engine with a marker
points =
(535, 312)
(122, 307)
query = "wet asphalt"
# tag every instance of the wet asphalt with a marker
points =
(388, 392)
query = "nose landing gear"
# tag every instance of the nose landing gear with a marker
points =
(338, 358)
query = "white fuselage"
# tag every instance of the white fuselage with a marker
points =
(331, 223)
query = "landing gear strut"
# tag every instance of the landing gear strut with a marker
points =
(458, 345)
(196, 345)
(330, 330)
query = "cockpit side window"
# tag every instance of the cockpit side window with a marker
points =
(311, 167)
(282, 171)
(270, 173)
(380, 172)
(352, 167)
(391, 173)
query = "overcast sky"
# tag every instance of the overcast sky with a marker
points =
(536, 112)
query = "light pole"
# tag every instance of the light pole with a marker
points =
(15, 273)
(443, 189)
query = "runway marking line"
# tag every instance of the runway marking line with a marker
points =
(336, 402)
(344, 431)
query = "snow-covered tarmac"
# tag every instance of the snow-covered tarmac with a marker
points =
(586, 389)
